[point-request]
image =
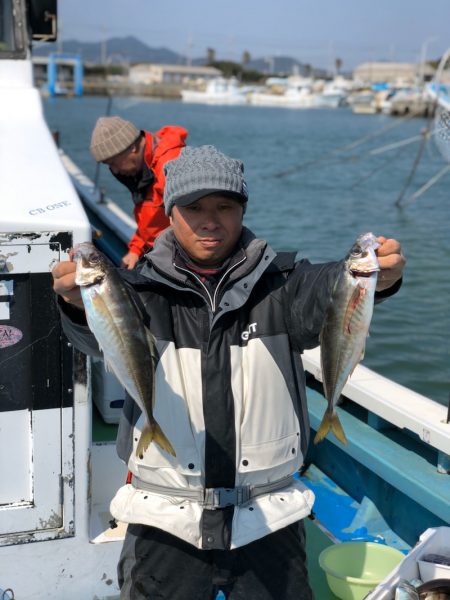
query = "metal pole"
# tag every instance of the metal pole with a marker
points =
(97, 168)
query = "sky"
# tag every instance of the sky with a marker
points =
(311, 31)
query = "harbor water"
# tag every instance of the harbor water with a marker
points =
(317, 179)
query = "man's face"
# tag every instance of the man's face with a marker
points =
(209, 228)
(128, 163)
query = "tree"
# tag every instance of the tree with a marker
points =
(307, 70)
(228, 68)
(245, 58)
(338, 65)
(210, 56)
(232, 69)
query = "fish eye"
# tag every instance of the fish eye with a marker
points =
(356, 250)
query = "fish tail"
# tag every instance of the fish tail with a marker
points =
(153, 433)
(160, 438)
(330, 422)
(144, 440)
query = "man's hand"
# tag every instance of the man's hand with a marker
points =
(64, 283)
(392, 263)
(129, 260)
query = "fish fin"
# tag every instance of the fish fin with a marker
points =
(153, 433)
(152, 345)
(363, 351)
(330, 422)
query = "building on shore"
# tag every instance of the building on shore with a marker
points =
(394, 73)
(152, 73)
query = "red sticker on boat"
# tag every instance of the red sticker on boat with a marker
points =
(9, 336)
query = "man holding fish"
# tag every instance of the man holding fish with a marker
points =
(220, 320)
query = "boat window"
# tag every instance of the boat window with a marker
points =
(12, 23)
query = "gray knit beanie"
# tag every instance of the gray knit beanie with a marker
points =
(200, 171)
(111, 136)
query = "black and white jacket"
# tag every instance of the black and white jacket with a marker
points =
(230, 392)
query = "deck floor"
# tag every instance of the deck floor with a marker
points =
(316, 541)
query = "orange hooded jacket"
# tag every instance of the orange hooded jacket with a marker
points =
(160, 147)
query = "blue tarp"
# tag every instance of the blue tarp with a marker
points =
(380, 87)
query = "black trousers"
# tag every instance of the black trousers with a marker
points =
(155, 565)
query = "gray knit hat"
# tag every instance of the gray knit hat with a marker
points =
(200, 171)
(111, 136)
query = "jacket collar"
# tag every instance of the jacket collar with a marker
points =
(161, 257)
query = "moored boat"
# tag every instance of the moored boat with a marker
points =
(296, 93)
(218, 91)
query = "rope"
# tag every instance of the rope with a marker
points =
(390, 159)
(344, 148)
(384, 164)
(426, 135)
(411, 140)
(429, 184)
(412, 172)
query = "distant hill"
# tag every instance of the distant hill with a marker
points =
(117, 50)
(131, 50)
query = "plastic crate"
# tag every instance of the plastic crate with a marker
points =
(433, 540)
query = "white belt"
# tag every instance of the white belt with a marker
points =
(213, 498)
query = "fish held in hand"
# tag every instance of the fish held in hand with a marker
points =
(346, 326)
(128, 346)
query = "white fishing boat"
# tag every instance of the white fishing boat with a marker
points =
(301, 92)
(331, 98)
(363, 102)
(297, 93)
(58, 464)
(407, 101)
(333, 94)
(218, 91)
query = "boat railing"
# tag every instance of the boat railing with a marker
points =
(392, 402)
(108, 211)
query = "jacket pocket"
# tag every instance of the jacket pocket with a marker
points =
(258, 457)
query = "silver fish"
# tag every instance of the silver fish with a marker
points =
(128, 346)
(406, 591)
(346, 326)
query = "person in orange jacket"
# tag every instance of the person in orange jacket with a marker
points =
(136, 158)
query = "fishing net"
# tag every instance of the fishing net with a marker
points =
(441, 126)
(438, 92)
(442, 132)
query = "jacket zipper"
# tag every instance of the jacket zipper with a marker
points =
(212, 299)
